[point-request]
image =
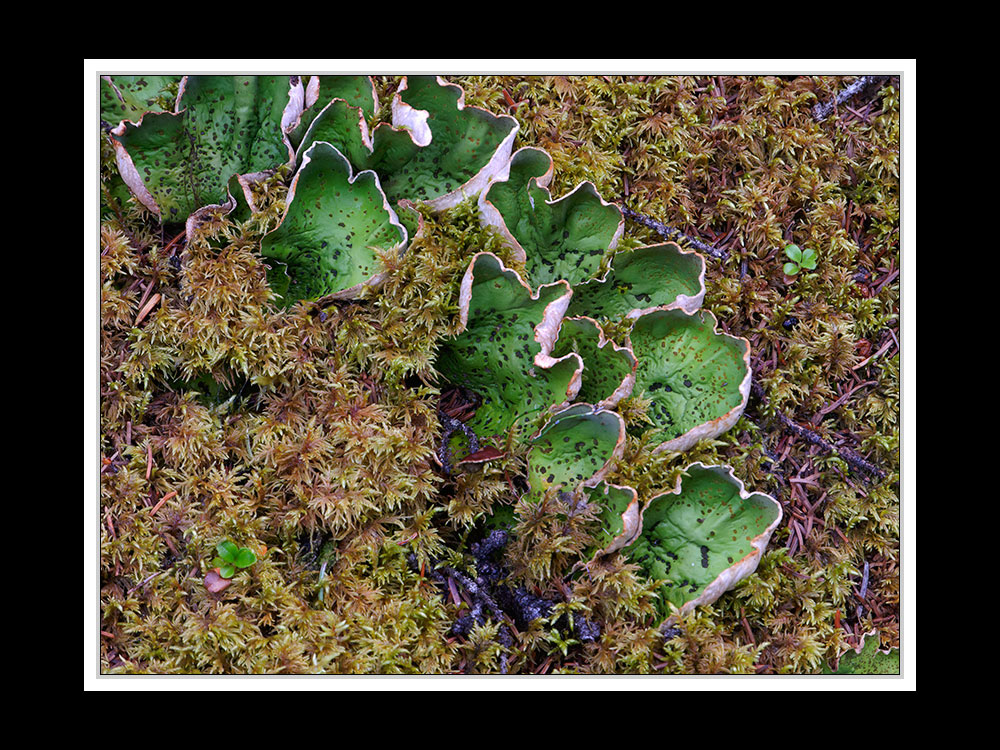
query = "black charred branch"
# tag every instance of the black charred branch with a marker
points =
(452, 425)
(492, 598)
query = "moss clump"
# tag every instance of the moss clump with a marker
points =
(312, 435)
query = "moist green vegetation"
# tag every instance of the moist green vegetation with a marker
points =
(324, 241)
(310, 436)
(224, 125)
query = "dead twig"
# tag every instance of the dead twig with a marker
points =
(144, 581)
(864, 591)
(864, 83)
(669, 233)
(850, 456)
(172, 246)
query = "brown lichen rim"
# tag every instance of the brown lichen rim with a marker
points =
(719, 425)
(304, 144)
(688, 303)
(415, 121)
(205, 214)
(739, 570)
(290, 115)
(873, 633)
(367, 138)
(127, 170)
(631, 522)
(312, 91)
(546, 332)
(375, 280)
(410, 207)
(118, 92)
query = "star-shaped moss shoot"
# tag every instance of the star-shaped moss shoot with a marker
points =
(437, 151)
(697, 378)
(176, 163)
(639, 281)
(334, 227)
(608, 369)
(130, 97)
(702, 538)
(504, 352)
(557, 239)
(575, 447)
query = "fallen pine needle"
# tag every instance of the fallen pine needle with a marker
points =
(162, 501)
(149, 460)
(172, 243)
(153, 302)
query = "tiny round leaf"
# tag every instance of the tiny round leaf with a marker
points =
(245, 558)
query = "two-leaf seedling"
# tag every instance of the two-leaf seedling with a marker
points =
(232, 557)
(799, 259)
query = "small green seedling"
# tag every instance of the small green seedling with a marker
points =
(232, 557)
(799, 259)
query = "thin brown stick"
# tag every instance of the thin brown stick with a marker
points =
(153, 302)
(161, 502)
(171, 245)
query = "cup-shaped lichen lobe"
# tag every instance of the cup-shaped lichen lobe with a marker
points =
(332, 231)
(696, 378)
(178, 162)
(575, 447)
(655, 277)
(503, 352)
(620, 514)
(458, 144)
(559, 239)
(705, 537)
(608, 369)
